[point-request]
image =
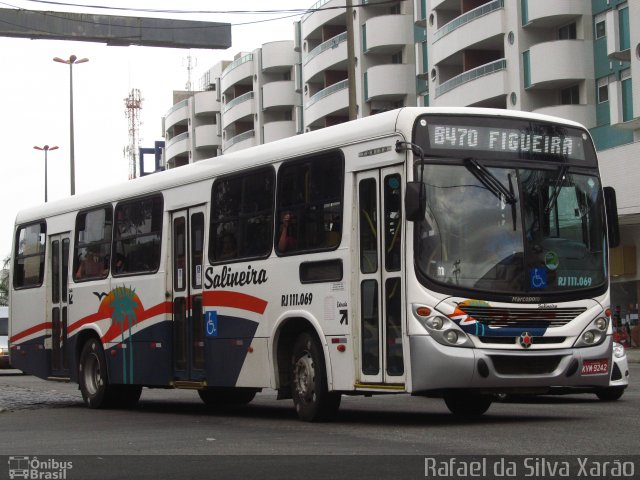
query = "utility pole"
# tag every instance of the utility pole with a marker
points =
(351, 64)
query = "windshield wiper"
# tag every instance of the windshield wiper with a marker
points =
(559, 183)
(490, 181)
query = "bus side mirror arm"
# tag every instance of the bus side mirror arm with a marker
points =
(611, 212)
(415, 201)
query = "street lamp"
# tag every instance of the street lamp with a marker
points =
(71, 61)
(46, 149)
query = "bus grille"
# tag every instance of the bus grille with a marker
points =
(525, 365)
(521, 317)
(513, 340)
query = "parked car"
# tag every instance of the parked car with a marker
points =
(4, 338)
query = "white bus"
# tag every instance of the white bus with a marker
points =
(455, 253)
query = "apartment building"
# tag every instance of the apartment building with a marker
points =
(576, 59)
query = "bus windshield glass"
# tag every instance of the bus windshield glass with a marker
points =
(528, 228)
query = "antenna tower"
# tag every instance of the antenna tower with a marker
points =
(133, 104)
(191, 63)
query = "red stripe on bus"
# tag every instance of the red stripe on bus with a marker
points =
(235, 300)
(31, 331)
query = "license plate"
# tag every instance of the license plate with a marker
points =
(595, 367)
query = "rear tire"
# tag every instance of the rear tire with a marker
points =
(92, 376)
(467, 404)
(311, 398)
(610, 394)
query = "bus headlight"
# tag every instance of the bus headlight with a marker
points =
(442, 329)
(601, 324)
(594, 334)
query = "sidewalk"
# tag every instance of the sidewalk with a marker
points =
(633, 355)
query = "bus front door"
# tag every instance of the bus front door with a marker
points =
(380, 286)
(59, 303)
(187, 228)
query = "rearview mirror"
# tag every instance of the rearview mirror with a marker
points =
(415, 201)
(611, 211)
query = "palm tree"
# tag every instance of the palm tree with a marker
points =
(124, 313)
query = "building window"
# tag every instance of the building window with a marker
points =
(570, 96)
(396, 58)
(600, 26)
(568, 32)
(602, 86)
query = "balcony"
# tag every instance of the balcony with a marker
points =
(328, 54)
(238, 108)
(481, 28)
(177, 115)
(313, 21)
(584, 114)
(206, 103)
(276, 130)
(176, 146)
(239, 142)
(389, 82)
(467, 18)
(387, 33)
(238, 71)
(552, 13)
(558, 64)
(279, 94)
(327, 102)
(278, 56)
(618, 36)
(206, 137)
(474, 86)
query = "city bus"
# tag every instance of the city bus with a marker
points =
(455, 253)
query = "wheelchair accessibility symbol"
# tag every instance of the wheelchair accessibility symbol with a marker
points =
(538, 278)
(211, 323)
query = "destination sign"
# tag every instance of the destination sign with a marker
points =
(504, 138)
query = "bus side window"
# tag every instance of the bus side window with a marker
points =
(93, 244)
(242, 216)
(28, 264)
(309, 203)
(138, 234)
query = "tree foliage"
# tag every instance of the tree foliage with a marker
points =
(4, 281)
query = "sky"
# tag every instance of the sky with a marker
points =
(34, 96)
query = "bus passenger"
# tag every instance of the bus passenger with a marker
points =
(286, 241)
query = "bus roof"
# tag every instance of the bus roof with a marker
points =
(309, 143)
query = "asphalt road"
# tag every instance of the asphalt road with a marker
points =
(173, 435)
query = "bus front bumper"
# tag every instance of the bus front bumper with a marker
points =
(436, 367)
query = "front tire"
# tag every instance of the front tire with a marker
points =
(92, 376)
(311, 398)
(610, 394)
(467, 404)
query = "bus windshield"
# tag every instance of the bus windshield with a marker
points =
(547, 236)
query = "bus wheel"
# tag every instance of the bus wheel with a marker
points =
(610, 394)
(92, 375)
(311, 398)
(467, 404)
(226, 396)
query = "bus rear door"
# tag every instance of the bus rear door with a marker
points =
(188, 322)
